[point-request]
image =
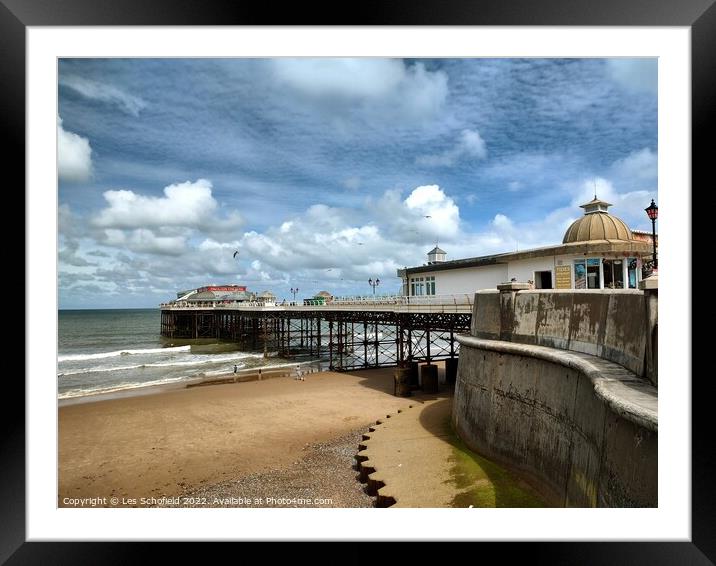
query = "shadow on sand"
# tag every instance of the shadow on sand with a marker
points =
(381, 379)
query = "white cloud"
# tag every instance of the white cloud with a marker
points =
(412, 89)
(186, 204)
(426, 214)
(74, 155)
(68, 225)
(430, 200)
(641, 165)
(469, 145)
(629, 206)
(143, 240)
(68, 254)
(502, 222)
(183, 222)
(521, 169)
(350, 78)
(504, 234)
(588, 188)
(352, 183)
(635, 75)
(323, 247)
(105, 92)
(331, 246)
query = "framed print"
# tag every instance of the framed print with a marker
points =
(144, 196)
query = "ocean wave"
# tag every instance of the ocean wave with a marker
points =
(97, 370)
(73, 393)
(125, 386)
(100, 355)
(212, 373)
(210, 359)
(205, 359)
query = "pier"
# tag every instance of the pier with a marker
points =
(354, 333)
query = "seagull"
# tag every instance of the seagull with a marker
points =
(428, 216)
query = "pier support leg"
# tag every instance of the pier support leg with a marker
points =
(451, 371)
(429, 378)
(414, 375)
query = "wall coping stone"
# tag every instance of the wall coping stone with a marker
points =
(628, 395)
(513, 286)
(651, 282)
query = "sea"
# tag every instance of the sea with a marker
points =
(110, 351)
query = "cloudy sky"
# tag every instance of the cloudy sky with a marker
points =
(323, 173)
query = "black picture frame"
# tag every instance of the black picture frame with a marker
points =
(699, 15)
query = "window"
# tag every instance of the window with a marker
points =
(632, 266)
(613, 274)
(580, 274)
(422, 286)
(586, 273)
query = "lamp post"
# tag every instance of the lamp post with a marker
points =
(294, 291)
(652, 211)
(373, 284)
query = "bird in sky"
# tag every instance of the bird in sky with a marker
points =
(236, 253)
(428, 216)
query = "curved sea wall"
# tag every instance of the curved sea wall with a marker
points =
(550, 383)
(605, 323)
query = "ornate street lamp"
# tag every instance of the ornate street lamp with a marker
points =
(294, 291)
(373, 284)
(652, 212)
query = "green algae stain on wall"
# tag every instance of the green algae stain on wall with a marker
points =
(483, 483)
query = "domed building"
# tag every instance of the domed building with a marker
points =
(597, 224)
(598, 251)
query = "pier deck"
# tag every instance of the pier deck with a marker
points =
(353, 333)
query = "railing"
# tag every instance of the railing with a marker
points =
(460, 301)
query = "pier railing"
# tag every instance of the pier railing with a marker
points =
(424, 303)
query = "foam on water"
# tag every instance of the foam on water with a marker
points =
(101, 355)
(118, 350)
(74, 393)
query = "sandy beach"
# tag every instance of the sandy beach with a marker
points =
(177, 441)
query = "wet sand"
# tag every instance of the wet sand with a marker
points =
(173, 442)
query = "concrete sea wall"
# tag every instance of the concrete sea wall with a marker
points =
(552, 384)
(608, 324)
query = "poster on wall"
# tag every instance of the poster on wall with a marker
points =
(580, 275)
(563, 275)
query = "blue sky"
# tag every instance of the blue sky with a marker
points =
(323, 173)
